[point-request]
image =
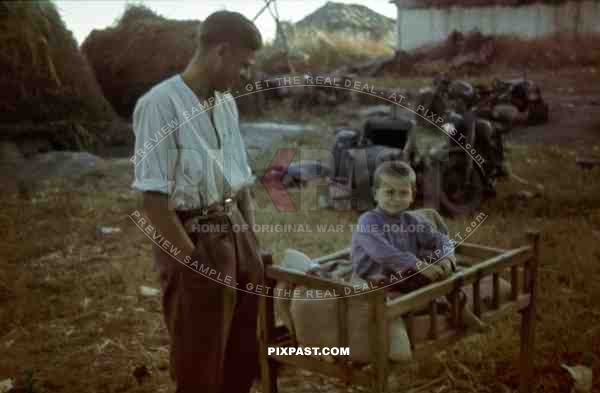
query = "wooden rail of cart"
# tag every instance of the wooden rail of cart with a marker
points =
(519, 264)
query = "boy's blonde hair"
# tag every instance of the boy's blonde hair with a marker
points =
(396, 169)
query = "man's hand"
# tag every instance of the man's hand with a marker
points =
(166, 222)
(247, 206)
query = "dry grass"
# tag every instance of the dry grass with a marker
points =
(329, 51)
(71, 312)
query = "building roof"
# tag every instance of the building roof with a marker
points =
(412, 4)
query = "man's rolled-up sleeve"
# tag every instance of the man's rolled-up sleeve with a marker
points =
(155, 150)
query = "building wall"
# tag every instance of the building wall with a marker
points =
(416, 27)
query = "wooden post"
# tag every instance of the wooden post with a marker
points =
(343, 335)
(496, 290)
(433, 327)
(455, 306)
(528, 319)
(455, 303)
(378, 339)
(514, 282)
(477, 297)
(410, 328)
(526, 278)
(268, 367)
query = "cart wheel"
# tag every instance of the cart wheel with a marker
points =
(459, 195)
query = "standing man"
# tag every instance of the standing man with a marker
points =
(194, 171)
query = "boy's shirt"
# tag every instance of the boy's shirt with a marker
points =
(385, 244)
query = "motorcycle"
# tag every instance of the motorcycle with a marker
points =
(468, 165)
(459, 173)
(523, 94)
(505, 103)
(445, 96)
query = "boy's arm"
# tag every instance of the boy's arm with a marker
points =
(374, 245)
(435, 245)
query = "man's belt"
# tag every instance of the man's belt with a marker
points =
(195, 217)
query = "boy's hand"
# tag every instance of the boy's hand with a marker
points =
(433, 272)
(446, 265)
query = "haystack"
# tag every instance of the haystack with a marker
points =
(142, 49)
(48, 92)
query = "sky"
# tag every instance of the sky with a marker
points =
(81, 16)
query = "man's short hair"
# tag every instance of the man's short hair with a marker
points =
(229, 27)
(396, 169)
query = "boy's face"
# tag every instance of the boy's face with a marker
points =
(394, 194)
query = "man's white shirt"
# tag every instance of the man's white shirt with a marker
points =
(178, 151)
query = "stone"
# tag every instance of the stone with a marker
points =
(6, 385)
(148, 291)
(307, 170)
(376, 110)
(105, 230)
(59, 164)
(262, 134)
(582, 376)
(524, 195)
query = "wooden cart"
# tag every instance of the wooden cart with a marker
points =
(519, 264)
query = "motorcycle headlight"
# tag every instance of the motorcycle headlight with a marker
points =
(449, 129)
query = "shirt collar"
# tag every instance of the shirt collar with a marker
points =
(382, 212)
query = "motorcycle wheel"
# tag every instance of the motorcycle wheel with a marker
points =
(459, 195)
(538, 113)
(432, 104)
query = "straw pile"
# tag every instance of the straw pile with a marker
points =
(142, 49)
(47, 90)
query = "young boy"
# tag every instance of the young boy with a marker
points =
(397, 246)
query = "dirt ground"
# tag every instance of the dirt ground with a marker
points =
(72, 318)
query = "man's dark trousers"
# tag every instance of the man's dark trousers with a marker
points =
(212, 325)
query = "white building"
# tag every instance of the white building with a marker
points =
(418, 23)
